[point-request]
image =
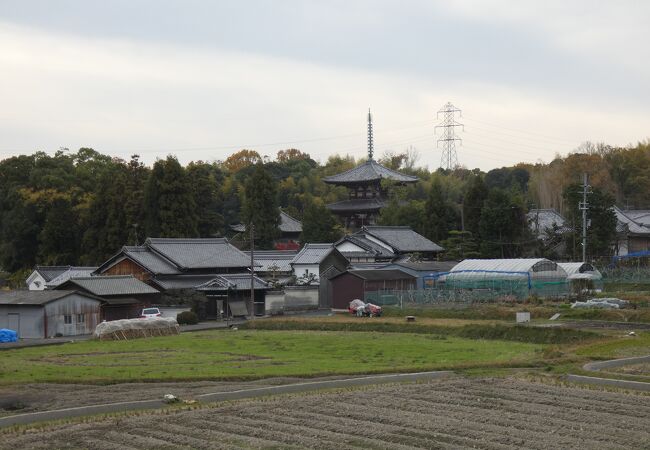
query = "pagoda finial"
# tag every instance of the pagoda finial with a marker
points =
(370, 146)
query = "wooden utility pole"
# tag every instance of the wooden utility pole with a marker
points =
(252, 231)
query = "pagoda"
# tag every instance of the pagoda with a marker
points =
(366, 194)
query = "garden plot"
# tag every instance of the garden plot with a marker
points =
(451, 413)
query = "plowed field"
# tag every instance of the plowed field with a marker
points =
(452, 413)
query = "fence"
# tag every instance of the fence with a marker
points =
(465, 292)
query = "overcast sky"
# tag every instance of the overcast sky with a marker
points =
(201, 79)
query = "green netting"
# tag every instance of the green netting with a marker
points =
(461, 292)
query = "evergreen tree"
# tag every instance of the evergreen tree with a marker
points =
(261, 207)
(440, 215)
(59, 240)
(473, 204)
(170, 210)
(206, 193)
(460, 245)
(503, 225)
(318, 224)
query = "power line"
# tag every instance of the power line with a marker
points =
(517, 130)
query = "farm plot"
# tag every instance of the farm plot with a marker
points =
(453, 413)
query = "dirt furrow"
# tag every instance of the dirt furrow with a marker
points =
(455, 429)
(357, 433)
(228, 438)
(394, 434)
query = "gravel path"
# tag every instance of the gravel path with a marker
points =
(447, 413)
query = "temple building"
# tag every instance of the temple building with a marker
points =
(366, 194)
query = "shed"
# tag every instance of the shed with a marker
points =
(519, 277)
(371, 285)
(426, 272)
(231, 293)
(124, 295)
(314, 259)
(44, 314)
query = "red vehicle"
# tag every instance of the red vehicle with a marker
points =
(360, 309)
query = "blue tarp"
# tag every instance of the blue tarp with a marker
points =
(8, 335)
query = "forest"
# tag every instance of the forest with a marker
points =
(81, 207)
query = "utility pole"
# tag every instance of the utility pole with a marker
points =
(252, 231)
(584, 206)
(449, 159)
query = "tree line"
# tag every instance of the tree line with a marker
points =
(81, 207)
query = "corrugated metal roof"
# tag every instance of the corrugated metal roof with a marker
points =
(233, 281)
(370, 170)
(72, 272)
(199, 253)
(113, 285)
(149, 260)
(312, 254)
(402, 239)
(37, 297)
(380, 274)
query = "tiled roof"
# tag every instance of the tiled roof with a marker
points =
(72, 272)
(312, 254)
(199, 253)
(37, 297)
(287, 225)
(51, 272)
(428, 266)
(402, 239)
(371, 248)
(182, 281)
(149, 260)
(371, 170)
(640, 216)
(626, 223)
(357, 204)
(266, 259)
(113, 285)
(234, 281)
(540, 220)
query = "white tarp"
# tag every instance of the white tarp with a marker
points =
(134, 328)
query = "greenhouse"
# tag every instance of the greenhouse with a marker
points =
(502, 278)
(581, 276)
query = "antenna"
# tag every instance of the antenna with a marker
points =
(370, 144)
(449, 158)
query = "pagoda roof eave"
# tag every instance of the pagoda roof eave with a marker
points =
(368, 172)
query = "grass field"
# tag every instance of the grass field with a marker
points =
(251, 354)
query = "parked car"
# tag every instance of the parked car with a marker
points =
(149, 313)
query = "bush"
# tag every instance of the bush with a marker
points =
(187, 318)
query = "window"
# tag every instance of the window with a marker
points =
(81, 318)
(67, 319)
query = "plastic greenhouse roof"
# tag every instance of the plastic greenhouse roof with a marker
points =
(498, 265)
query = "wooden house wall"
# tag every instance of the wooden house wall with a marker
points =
(128, 267)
